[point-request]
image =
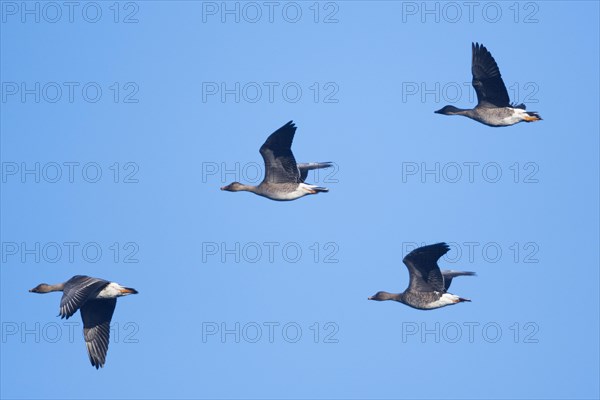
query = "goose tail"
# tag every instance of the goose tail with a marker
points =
(531, 116)
(319, 189)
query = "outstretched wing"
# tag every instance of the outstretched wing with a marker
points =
(96, 316)
(280, 164)
(77, 291)
(305, 167)
(425, 275)
(487, 80)
(449, 274)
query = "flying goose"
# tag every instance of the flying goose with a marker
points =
(284, 178)
(493, 105)
(428, 285)
(96, 299)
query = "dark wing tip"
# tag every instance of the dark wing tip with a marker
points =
(292, 125)
(97, 350)
(484, 61)
(437, 249)
(478, 45)
(281, 138)
(96, 355)
(479, 48)
(443, 245)
(285, 129)
(289, 125)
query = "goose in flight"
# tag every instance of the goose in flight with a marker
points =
(284, 178)
(96, 299)
(428, 286)
(493, 105)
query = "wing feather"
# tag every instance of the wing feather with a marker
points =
(487, 80)
(425, 274)
(77, 291)
(96, 316)
(280, 164)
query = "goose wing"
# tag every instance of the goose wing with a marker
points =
(449, 274)
(487, 81)
(305, 167)
(280, 164)
(77, 291)
(96, 316)
(425, 275)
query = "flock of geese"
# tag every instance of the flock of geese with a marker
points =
(284, 181)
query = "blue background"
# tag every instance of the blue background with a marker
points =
(368, 57)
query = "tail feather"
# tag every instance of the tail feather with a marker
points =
(313, 189)
(532, 116)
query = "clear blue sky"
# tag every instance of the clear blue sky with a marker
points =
(142, 103)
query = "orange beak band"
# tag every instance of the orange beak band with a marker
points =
(129, 290)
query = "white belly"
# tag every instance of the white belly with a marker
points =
(445, 300)
(302, 190)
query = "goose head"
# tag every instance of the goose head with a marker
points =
(448, 110)
(41, 288)
(234, 187)
(381, 296)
